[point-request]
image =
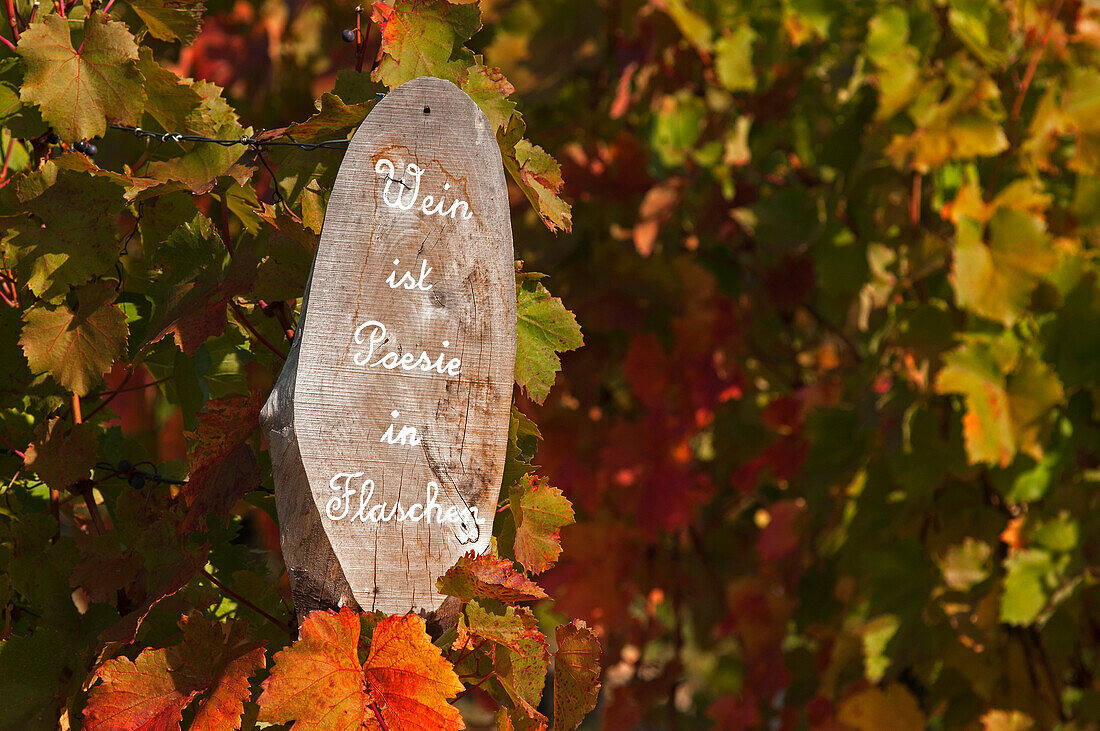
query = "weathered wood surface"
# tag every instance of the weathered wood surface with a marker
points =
(328, 417)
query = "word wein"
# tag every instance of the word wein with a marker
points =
(390, 360)
(428, 206)
(464, 519)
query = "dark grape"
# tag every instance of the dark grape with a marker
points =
(348, 35)
(137, 482)
(124, 465)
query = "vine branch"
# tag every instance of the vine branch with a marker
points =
(275, 621)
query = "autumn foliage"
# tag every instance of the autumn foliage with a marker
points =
(150, 294)
(828, 457)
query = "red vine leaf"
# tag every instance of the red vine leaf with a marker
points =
(492, 578)
(540, 512)
(576, 674)
(214, 661)
(223, 465)
(408, 678)
(319, 682)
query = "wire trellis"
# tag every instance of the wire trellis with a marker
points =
(252, 142)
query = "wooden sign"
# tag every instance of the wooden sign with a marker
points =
(389, 423)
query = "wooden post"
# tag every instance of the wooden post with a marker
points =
(388, 425)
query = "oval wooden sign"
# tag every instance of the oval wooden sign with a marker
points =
(401, 379)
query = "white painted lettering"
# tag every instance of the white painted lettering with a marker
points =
(428, 204)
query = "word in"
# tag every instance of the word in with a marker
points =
(407, 436)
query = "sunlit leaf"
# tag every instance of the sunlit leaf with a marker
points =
(576, 674)
(79, 90)
(546, 328)
(76, 347)
(318, 682)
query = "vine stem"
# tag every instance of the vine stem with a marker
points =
(1025, 84)
(278, 623)
(1033, 64)
(138, 387)
(248, 326)
(7, 155)
(378, 715)
(9, 8)
(110, 396)
(468, 652)
(11, 446)
(93, 508)
(478, 684)
(360, 40)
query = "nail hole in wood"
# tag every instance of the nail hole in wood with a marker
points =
(427, 110)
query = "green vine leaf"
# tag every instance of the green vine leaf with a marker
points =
(423, 38)
(171, 20)
(79, 90)
(76, 347)
(546, 328)
(539, 177)
(540, 512)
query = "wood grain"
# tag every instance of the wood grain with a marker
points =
(328, 412)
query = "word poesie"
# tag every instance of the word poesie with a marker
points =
(338, 508)
(428, 206)
(391, 360)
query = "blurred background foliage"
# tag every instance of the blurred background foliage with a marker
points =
(832, 441)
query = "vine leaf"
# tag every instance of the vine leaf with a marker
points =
(508, 630)
(77, 348)
(199, 165)
(490, 90)
(223, 465)
(63, 455)
(423, 38)
(172, 100)
(30, 668)
(1008, 397)
(57, 249)
(540, 511)
(576, 674)
(488, 577)
(521, 659)
(171, 20)
(539, 176)
(873, 708)
(546, 328)
(214, 661)
(1029, 573)
(78, 90)
(523, 438)
(409, 679)
(319, 682)
(995, 280)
